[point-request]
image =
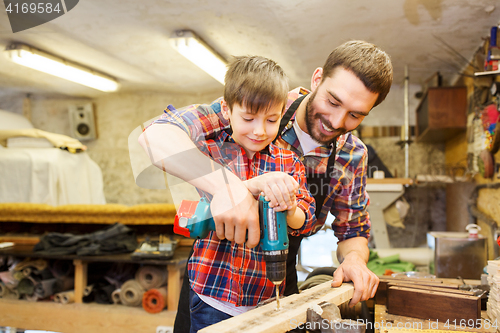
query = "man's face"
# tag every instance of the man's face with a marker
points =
(337, 105)
(253, 132)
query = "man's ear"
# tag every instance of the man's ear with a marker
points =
(225, 109)
(316, 78)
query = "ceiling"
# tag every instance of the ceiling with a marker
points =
(128, 39)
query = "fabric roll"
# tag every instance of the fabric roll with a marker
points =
(27, 271)
(131, 293)
(8, 279)
(26, 286)
(38, 264)
(46, 288)
(150, 277)
(155, 300)
(4, 291)
(65, 297)
(18, 275)
(57, 298)
(102, 294)
(88, 290)
(115, 296)
(64, 284)
(61, 268)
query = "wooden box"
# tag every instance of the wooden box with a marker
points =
(442, 114)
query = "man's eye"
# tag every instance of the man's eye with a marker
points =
(333, 103)
(355, 116)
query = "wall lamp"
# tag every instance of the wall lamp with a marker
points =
(198, 52)
(47, 63)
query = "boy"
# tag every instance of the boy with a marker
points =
(227, 279)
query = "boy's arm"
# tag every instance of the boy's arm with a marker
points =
(233, 206)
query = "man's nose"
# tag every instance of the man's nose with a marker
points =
(337, 120)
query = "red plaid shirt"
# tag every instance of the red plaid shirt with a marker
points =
(221, 269)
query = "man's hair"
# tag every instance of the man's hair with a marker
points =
(365, 60)
(256, 83)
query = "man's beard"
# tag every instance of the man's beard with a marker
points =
(312, 120)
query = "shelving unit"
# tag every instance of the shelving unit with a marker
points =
(91, 317)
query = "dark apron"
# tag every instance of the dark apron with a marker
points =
(321, 184)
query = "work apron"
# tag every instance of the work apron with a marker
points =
(321, 183)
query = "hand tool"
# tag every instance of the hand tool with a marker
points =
(194, 220)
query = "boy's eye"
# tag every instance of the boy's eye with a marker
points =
(247, 119)
(271, 121)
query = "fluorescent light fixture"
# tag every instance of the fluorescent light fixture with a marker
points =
(47, 63)
(192, 47)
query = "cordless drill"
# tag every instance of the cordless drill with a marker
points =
(194, 220)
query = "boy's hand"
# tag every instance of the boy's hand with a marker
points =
(235, 211)
(278, 187)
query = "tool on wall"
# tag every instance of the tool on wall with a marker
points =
(194, 220)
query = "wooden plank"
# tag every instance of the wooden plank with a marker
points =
(404, 324)
(381, 295)
(433, 305)
(292, 312)
(80, 318)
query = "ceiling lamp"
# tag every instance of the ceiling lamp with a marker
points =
(192, 47)
(47, 63)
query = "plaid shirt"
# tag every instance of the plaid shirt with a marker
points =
(221, 269)
(347, 199)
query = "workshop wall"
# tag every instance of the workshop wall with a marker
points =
(117, 115)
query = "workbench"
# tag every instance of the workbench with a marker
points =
(79, 317)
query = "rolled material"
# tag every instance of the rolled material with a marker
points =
(88, 290)
(155, 300)
(65, 297)
(64, 284)
(26, 286)
(39, 264)
(61, 268)
(27, 271)
(150, 277)
(103, 293)
(131, 293)
(115, 296)
(46, 288)
(8, 278)
(4, 291)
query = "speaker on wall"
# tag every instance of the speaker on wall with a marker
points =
(82, 121)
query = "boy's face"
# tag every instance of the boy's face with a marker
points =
(253, 132)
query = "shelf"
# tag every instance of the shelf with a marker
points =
(91, 317)
(81, 318)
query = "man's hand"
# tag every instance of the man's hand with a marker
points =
(235, 212)
(278, 188)
(353, 268)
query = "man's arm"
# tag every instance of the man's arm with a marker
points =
(233, 206)
(353, 255)
(352, 228)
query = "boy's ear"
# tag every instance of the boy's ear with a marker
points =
(225, 110)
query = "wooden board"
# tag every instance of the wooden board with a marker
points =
(433, 305)
(388, 323)
(292, 312)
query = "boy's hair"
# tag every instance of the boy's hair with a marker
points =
(369, 63)
(256, 83)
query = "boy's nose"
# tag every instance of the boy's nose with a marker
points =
(259, 129)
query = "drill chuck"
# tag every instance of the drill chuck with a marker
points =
(276, 265)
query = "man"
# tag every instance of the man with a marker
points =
(356, 77)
